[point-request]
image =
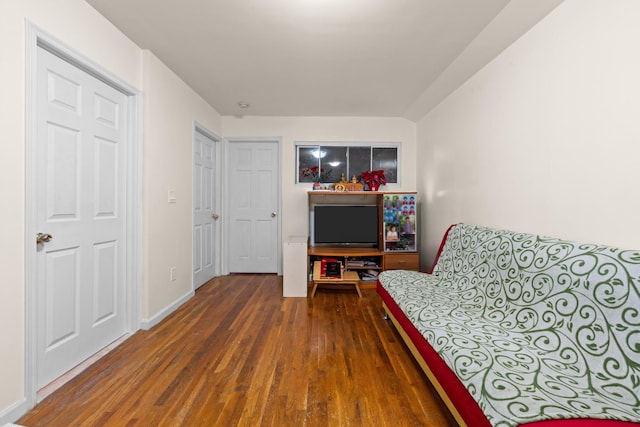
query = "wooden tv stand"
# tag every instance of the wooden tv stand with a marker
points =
(390, 254)
(353, 259)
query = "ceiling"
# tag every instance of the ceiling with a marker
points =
(324, 57)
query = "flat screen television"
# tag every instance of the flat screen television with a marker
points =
(345, 225)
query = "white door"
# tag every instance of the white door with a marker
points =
(80, 201)
(204, 209)
(253, 202)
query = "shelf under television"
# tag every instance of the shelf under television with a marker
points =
(343, 251)
(351, 252)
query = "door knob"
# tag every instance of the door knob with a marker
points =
(215, 216)
(43, 238)
(273, 214)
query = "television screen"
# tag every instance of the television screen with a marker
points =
(345, 225)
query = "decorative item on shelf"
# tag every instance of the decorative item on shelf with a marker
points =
(374, 179)
(330, 267)
(316, 175)
(354, 185)
(342, 185)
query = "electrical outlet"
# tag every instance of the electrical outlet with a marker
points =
(172, 274)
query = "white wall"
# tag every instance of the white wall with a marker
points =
(545, 138)
(170, 107)
(347, 129)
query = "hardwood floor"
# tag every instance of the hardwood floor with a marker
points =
(240, 354)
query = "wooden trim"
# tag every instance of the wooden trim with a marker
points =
(434, 381)
(343, 251)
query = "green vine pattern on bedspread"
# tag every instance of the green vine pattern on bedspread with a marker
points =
(536, 328)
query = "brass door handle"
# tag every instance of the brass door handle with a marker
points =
(215, 216)
(43, 238)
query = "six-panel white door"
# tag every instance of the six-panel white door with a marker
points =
(80, 201)
(253, 207)
(204, 209)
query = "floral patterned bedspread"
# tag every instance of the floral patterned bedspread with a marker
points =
(536, 328)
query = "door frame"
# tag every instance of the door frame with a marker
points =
(236, 139)
(37, 38)
(217, 243)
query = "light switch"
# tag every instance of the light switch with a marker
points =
(172, 196)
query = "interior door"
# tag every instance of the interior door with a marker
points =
(253, 201)
(80, 211)
(204, 209)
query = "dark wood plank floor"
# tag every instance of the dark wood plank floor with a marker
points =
(240, 354)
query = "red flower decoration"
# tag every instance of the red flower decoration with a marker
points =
(374, 179)
(314, 172)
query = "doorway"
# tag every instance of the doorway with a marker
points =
(206, 217)
(82, 202)
(253, 200)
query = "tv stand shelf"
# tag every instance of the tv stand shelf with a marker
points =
(355, 260)
(344, 252)
(371, 259)
(392, 251)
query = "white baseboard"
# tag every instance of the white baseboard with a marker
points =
(13, 412)
(147, 324)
